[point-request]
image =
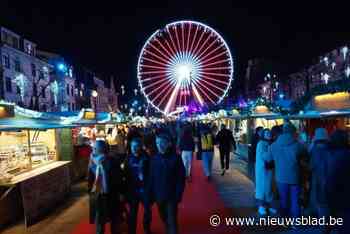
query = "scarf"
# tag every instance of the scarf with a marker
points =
(96, 166)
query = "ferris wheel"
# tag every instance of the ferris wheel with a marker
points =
(184, 61)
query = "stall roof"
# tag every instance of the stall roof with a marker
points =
(25, 119)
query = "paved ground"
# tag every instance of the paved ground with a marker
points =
(235, 188)
(60, 221)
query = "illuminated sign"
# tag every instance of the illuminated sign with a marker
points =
(89, 115)
(336, 101)
(7, 111)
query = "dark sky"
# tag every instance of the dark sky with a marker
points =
(107, 38)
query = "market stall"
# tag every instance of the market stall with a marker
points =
(330, 111)
(32, 179)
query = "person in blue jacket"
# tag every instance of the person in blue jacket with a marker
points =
(167, 182)
(137, 190)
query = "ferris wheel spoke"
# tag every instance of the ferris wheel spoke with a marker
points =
(212, 79)
(200, 38)
(177, 39)
(207, 48)
(194, 39)
(173, 43)
(188, 37)
(163, 47)
(198, 96)
(165, 56)
(155, 55)
(154, 61)
(214, 63)
(213, 85)
(216, 68)
(161, 92)
(171, 49)
(155, 77)
(155, 67)
(164, 96)
(172, 97)
(155, 83)
(214, 74)
(183, 37)
(202, 45)
(214, 57)
(211, 52)
(201, 87)
(156, 89)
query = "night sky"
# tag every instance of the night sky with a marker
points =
(108, 38)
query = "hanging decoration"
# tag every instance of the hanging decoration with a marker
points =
(344, 51)
(55, 89)
(22, 83)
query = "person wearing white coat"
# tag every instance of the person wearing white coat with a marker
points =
(264, 175)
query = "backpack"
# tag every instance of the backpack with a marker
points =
(207, 142)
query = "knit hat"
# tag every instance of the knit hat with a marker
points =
(320, 134)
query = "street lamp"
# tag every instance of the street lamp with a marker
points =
(94, 94)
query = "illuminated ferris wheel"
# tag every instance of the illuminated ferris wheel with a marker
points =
(182, 62)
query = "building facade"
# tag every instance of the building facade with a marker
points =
(25, 77)
(63, 82)
(105, 98)
(329, 67)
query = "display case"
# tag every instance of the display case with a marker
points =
(14, 152)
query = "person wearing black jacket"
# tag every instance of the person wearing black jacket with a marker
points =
(137, 188)
(167, 182)
(226, 141)
(104, 188)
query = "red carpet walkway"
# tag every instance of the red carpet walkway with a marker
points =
(200, 202)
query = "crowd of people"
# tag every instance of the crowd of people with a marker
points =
(150, 166)
(308, 177)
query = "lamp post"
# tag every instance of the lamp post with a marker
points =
(94, 94)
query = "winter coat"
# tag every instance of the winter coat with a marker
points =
(107, 205)
(263, 182)
(287, 154)
(186, 141)
(320, 154)
(225, 140)
(137, 177)
(167, 178)
(338, 174)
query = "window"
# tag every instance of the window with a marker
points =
(15, 42)
(33, 70)
(72, 91)
(17, 65)
(43, 90)
(67, 89)
(6, 61)
(18, 90)
(8, 84)
(29, 48)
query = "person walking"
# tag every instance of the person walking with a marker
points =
(103, 188)
(252, 151)
(186, 146)
(137, 183)
(264, 175)
(226, 142)
(288, 154)
(207, 150)
(337, 176)
(167, 182)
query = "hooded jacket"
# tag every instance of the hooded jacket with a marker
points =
(287, 153)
